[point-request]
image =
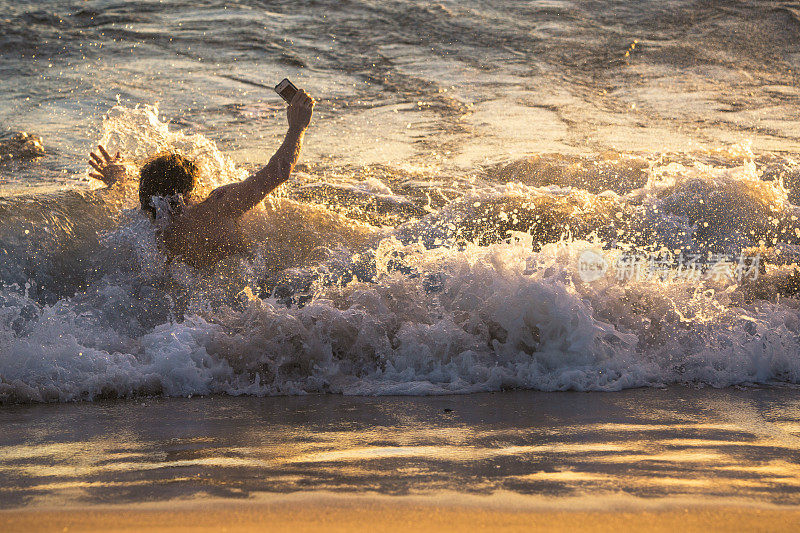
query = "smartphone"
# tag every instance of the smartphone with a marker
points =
(286, 89)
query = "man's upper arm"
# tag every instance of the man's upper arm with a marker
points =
(235, 199)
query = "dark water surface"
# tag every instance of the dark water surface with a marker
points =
(442, 84)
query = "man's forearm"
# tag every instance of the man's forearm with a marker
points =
(281, 164)
(298, 114)
(288, 153)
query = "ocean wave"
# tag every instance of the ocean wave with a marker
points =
(379, 281)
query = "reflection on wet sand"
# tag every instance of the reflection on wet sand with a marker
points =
(645, 443)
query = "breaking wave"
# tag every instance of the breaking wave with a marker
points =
(373, 280)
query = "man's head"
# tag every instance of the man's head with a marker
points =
(165, 175)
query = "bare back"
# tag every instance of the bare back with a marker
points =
(199, 243)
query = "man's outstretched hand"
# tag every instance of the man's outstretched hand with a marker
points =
(110, 170)
(234, 199)
(300, 110)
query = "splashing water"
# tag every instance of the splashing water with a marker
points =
(371, 280)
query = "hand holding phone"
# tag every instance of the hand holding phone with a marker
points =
(299, 111)
(286, 90)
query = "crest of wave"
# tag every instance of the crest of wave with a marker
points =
(502, 316)
(480, 318)
(696, 205)
(139, 134)
(477, 319)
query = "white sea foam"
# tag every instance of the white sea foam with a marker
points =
(445, 303)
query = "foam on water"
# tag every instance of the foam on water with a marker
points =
(374, 282)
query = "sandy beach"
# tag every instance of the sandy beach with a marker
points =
(330, 512)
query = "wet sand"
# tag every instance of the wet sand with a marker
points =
(330, 512)
(660, 458)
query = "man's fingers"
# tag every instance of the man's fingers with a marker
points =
(298, 97)
(96, 166)
(97, 176)
(96, 158)
(105, 154)
(117, 156)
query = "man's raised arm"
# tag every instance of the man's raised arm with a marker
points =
(236, 198)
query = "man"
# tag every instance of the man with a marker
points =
(202, 233)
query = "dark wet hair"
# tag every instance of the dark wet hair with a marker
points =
(165, 175)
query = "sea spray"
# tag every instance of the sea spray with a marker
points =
(374, 281)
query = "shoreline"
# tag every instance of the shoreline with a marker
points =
(680, 458)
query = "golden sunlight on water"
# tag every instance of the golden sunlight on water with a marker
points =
(660, 442)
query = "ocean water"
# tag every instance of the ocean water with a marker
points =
(543, 195)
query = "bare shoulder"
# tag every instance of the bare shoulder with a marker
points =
(220, 192)
(223, 189)
(214, 204)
